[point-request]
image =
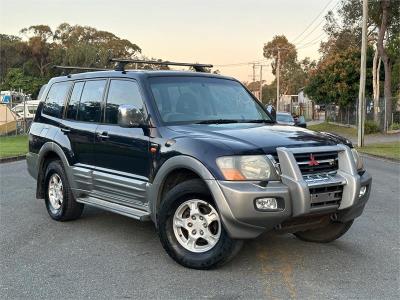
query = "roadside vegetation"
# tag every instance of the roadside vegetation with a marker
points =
(11, 146)
(386, 150)
(329, 127)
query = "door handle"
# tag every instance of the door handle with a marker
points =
(103, 135)
(65, 129)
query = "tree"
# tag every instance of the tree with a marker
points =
(87, 46)
(383, 31)
(293, 73)
(11, 53)
(287, 52)
(335, 80)
(16, 79)
(39, 46)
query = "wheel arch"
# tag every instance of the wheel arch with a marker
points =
(50, 151)
(170, 173)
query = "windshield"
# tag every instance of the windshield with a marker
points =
(204, 100)
(284, 118)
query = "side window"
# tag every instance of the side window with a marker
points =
(73, 104)
(121, 92)
(55, 99)
(90, 105)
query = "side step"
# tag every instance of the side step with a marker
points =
(131, 212)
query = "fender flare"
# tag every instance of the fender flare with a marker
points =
(46, 148)
(194, 165)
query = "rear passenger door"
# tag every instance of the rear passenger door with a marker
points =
(82, 118)
(122, 154)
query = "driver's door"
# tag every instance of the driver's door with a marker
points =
(122, 154)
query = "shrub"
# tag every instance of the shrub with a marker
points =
(371, 127)
(395, 126)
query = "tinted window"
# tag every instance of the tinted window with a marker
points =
(41, 91)
(55, 99)
(90, 104)
(121, 92)
(74, 100)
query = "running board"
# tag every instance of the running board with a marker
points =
(116, 208)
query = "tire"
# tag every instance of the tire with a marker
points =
(63, 208)
(220, 250)
(326, 234)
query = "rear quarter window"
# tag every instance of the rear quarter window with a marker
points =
(54, 103)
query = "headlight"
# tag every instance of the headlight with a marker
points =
(357, 159)
(248, 167)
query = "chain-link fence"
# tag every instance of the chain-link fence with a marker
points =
(16, 119)
(375, 114)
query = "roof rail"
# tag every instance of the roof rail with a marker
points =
(80, 68)
(120, 64)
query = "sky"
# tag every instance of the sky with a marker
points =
(220, 32)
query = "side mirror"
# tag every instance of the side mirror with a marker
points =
(130, 116)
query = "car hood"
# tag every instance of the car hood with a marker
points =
(264, 137)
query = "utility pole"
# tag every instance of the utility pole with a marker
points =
(254, 72)
(260, 98)
(361, 93)
(278, 66)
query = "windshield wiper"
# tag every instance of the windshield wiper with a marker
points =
(257, 121)
(217, 121)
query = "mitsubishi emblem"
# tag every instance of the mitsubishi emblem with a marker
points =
(312, 161)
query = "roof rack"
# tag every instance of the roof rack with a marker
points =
(120, 64)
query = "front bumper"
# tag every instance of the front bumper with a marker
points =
(241, 219)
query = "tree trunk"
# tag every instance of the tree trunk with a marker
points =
(376, 67)
(387, 91)
(374, 83)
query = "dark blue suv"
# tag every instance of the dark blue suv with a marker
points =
(195, 153)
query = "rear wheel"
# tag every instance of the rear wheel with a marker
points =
(328, 233)
(60, 202)
(190, 228)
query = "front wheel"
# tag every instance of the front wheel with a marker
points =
(190, 228)
(325, 234)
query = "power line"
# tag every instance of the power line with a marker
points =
(322, 20)
(240, 63)
(312, 22)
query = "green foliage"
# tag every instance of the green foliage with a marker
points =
(395, 126)
(16, 79)
(343, 28)
(371, 127)
(27, 64)
(293, 73)
(86, 46)
(336, 78)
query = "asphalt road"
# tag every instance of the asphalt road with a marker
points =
(103, 255)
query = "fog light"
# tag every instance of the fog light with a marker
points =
(363, 190)
(266, 203)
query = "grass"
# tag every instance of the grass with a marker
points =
(387, 150)
(328, 127)
(13, 145)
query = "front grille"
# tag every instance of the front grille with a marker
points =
(319, 162)
(326, 196)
